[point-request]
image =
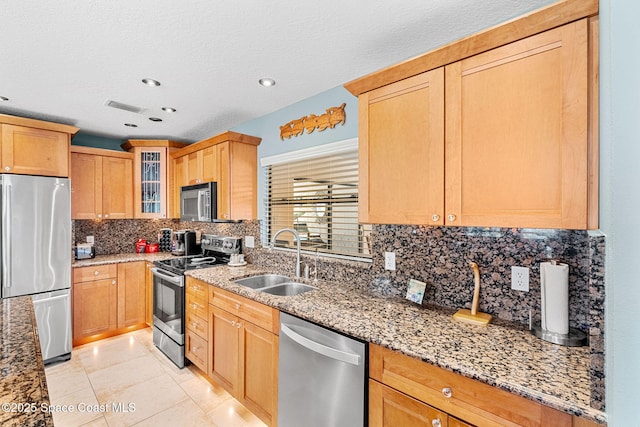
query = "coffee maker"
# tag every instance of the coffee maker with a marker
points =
(184, 243)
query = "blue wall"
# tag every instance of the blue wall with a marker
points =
(95, 141)
(620, 204)
(268, 128)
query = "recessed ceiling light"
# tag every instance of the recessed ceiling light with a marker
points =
(266, 82)
(155, 119)
(151, 82)
(169, 109)
(131, 125)
(3, 98)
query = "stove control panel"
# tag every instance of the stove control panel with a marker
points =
(227, 245)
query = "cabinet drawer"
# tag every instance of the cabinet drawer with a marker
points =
(470, 400)
(196, 306)
(97, 272)
(197, 324)
(197, 288)
(196, 350)
(259, 314)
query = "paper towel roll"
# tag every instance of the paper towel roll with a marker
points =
(554, 282)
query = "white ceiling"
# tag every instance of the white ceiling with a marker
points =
(62, 60)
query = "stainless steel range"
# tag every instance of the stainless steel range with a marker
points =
(169, 291)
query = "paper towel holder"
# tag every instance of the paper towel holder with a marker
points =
(575, 337)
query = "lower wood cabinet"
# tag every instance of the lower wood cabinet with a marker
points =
(242, 346)
(108, 300)
(404, 389)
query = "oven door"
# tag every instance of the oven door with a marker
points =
(168, 304)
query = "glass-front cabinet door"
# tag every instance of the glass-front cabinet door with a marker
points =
(151, 176)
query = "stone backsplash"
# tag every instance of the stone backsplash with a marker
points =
(438, 256)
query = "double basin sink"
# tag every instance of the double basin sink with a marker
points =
(274, 284)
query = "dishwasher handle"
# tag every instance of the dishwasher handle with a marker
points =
(343, 356)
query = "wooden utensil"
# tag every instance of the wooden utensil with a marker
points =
(472, 316)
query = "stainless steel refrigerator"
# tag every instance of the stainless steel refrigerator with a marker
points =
(35, 254)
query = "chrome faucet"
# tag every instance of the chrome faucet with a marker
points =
(295, 233)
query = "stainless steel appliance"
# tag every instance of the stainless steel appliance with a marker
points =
(36, 254)
(321, 376)
(184, 243)
(169, 291)
(199, 202)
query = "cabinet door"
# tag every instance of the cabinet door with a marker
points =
(517, 143)
(209, 164)
(86, 186)
(31, 151)
(224, 181)
(259, 371)
(94, 307)
(224, 357)
(150, 183)
(401, 131)
(131, 294)
(117, 189)
(194, 167)
(242, 184)
(390, 408)
(179, 174)
(196, 349)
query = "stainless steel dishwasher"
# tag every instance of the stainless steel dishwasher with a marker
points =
(321, 378)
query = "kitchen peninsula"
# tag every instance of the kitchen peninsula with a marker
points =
(23, 387)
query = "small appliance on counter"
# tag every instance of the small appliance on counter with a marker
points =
(164, 238)
(184, 243)
(84, 251)
(554, 291)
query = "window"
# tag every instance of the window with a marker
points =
(315, 192)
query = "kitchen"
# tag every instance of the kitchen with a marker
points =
(450, 233)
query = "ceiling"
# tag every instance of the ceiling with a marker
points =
(63, 60)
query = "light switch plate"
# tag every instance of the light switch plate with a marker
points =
(249, 242)
(90, 239)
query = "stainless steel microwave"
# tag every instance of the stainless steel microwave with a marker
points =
(199, 202)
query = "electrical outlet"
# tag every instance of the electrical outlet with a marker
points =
(520, 278)
(90, 239)
(249, 242)
(389, 260)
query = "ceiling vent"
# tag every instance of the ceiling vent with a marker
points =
(125, 107)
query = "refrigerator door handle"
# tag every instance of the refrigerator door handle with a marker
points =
(6, 233)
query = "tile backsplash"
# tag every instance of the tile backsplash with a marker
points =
(438, 256)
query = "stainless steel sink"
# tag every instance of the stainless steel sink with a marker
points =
(262, 281)
(288, 289)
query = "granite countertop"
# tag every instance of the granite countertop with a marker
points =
(24, 398)
(118, 258)
(502, 354)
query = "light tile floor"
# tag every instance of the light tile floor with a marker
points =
(126, 381)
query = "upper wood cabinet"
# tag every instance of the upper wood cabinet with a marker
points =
(231, 160)
(402, 151)
(517, 151)
(502, 138)
(34, 147)
(151, 172)
(101, 184)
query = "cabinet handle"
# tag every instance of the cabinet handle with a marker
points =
(113, 282)
(7, 168)
(239, 325)
(195, 324)
(446, 392)
(106, 215)
(95, 273)
(195, 348)
(233, 323)
(435, 217)
(195, 305)
(237, 306)
(99, 216)
(451, 217)
(436, 422)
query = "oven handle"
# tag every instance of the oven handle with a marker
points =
(173, 279)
